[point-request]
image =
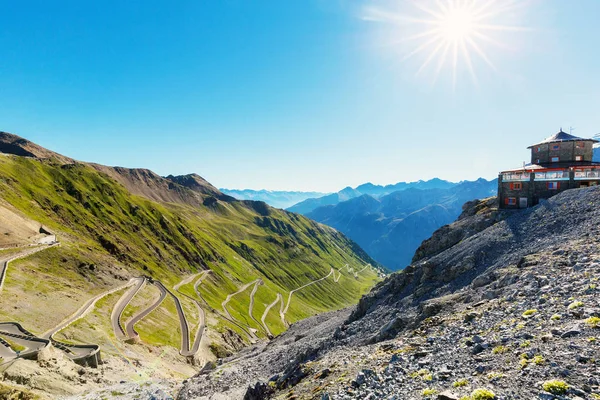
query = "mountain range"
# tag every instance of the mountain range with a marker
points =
(308, 205)
(274, 198)
(142, 265)
(391, 227)
(507, 309)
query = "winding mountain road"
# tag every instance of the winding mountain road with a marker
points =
(121, 304)
(285, 310)
(230, 317)
(25, 253)
(201, 315)
(130, 331)
(12, 331)
(279, 298)
(87, 307)
(258, 283)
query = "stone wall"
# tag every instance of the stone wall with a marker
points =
(567, 151)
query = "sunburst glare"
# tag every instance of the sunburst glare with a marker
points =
(450, 35)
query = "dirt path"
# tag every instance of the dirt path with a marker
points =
(121, 304)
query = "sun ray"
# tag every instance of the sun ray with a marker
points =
(481, 53)
(490, 40)
(480, 11)
(454, 64)
(420, 48)
(493, 27)
(410, 38)
(454, 35)
(441, 6)
(467, 57)
(421, 7)
(378, 15)
(441, 62)
(430, 58)
(512, 6)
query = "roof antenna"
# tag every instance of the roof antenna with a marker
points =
(571, 129)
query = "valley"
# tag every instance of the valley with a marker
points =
(508, 311)
(189, 276)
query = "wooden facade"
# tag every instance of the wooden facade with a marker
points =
(559, 163)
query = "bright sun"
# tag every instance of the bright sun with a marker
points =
(457, 24)
(449, 34)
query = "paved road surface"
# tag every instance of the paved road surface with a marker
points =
(84, 310)
(130, 324)
(251, 306)
(27, 251)
(264, 316)
(252, 335)
(121, 304)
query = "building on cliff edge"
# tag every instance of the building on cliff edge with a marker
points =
(558, 163)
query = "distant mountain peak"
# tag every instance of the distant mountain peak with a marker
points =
(18, 146)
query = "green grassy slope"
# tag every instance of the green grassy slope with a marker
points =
(109, 235)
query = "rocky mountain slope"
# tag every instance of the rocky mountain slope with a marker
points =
(370, 189)
(274, 198)
(510, 311)
(392, 227)
(194, 262)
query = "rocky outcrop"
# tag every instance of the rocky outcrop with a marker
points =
(18, 146)
(504, 312)
(476, 216)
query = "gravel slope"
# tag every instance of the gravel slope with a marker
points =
(456, 315)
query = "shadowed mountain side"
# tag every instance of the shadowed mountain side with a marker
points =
(13, 144)
(370, 189)
(392, 227)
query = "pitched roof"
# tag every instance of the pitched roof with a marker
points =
(562, 137)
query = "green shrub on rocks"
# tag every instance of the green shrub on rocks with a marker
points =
(429, 392)
(482, 394)
(529, 313)
(593, 322)
(555, 387)
(538, 360)
(575, 304)
(460, 383)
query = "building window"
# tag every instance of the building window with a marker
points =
(537, 160)
(579, 145)
(578, 158)
(555, 146)
(516, 186)
(510, 201)
(555, 159)
(538, 149)
(553, 185)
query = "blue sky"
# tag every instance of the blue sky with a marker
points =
(292, 95)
